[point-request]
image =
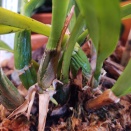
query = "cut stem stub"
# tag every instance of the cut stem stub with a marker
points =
(106, 98)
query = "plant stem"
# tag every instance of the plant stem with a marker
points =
(98, 70)
(69, 48)
(59, 15)
(49, 62)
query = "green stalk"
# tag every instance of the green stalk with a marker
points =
(49, 62)
(69, 48)
(9, 95)
(59, 14)
(123, 84)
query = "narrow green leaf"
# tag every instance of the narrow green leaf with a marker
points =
(69, 48)
(109, 18)
(58, 19)
(88, 10)
(23, 22)
(123, 84)
(4, 29)
(103, 22)
(4, 46)
(126, 11)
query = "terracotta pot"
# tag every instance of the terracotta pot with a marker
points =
(43, 17)
(38, 40)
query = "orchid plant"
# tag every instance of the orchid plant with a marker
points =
(100, 20)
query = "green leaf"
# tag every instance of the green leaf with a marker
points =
(103, 22)
(70, 47)
(109, 23)
(4, 46)
(24, 23)
(126, 11)
(13, 19)
(80, 60)
(88, 10)
(4, 29)
(123, 84)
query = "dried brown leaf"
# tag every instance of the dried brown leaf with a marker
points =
(87, 49)
(26, 106)
(22, 90)
(30, 103)
(78, 80)
(20, 110)
(43, 109)
(66, 24)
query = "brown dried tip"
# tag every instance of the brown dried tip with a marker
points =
(106, 98)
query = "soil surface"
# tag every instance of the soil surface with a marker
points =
(73, 115)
